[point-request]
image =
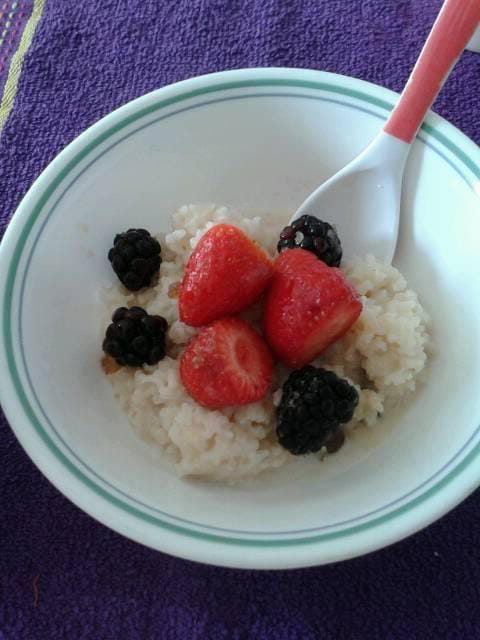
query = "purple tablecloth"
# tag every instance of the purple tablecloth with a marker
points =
(63, 575)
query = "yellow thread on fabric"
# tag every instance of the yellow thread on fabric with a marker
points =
(15, 70)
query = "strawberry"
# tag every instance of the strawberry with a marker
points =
(226, 273)
(308, 306)
(227, 363)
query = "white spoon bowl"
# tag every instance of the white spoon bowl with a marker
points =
(371, 183)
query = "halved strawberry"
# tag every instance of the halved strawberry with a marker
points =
(308, 306)
(226, 273)
(227, 363)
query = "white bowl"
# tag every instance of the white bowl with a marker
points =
(258, 139)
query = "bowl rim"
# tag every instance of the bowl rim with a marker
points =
(213, 546)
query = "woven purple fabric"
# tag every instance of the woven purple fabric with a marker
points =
(63, 575)
(14, 15)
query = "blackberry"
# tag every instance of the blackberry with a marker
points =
(135, 338)
(310, 233)
(135, 258)
(314, 404)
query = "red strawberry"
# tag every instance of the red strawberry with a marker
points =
(308, 306)
(227, 363)
(226, 273)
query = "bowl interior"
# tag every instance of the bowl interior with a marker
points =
(257, 150)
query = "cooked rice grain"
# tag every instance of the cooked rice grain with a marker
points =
(383, 354)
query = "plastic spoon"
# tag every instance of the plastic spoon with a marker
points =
(363, 199)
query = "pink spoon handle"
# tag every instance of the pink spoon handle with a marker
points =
(452, 30)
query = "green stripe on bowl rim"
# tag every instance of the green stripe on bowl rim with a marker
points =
(8, 319)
